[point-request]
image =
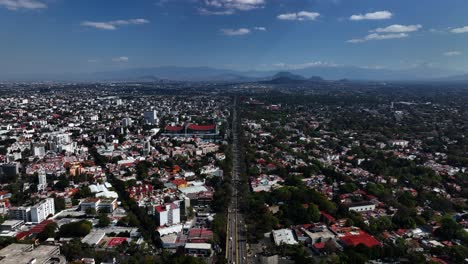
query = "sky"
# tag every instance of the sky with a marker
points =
(55, 36)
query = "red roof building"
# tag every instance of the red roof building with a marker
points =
(199, 235)
(352, 240)
(174, 128)
(40, 227)
(22, 235)
(201, 127)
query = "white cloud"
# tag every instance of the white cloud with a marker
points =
(372, 16)
(242, 5)
(22, 4)
(235, 32)
(260, 28)
(376, 36)
(398, 29)
(453, 53)
(287, 66)
(299, 16)
(113, 25)
(460, 30)
(121, 59)
(205, 11)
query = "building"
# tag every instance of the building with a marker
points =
(126, 122)
(284, 236)
(9, 169)
(11, 225)
(42, 181)
(399, 143)
(361, 207)
(167, 215)
(361, 237)
(90, 203)
(20, 213)
(202, 129)
(107, 205)
(39, 150)
(27, 253)
(93, 238)
(198, 249)
(42, 210)
(151, 117)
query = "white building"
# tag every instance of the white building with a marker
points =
(284, 236)
(42, 210)
(36, 213)
(167, 215)
(361, 207)
(42, 181)
(39, 150)
(399, 143)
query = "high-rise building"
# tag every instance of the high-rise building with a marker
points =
(151, 117)
(42, 181)
(126, 122)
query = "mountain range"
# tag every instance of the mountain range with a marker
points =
(175, 73)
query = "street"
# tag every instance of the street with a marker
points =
(236, 251)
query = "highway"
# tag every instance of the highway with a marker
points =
(236, 247)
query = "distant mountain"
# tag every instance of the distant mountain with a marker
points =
(288, 75)
(316, 79)
(175, 73)
(284, 80)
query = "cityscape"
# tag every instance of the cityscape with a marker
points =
(159, 146)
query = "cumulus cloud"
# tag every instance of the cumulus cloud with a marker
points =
(115, 24)
(460, 30)
(299, 16)
(121, 59)
(227, 7)
(453, 53)
(398, 29)
(260, 28)
(235, 32)
(377, 36)
(22, 4)
(379, 15)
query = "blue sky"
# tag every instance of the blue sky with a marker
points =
(51, 36)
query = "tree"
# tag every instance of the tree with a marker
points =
(90, 211)
(59, 204)
(76, 229)
(103, 220)
(448, 228)
(313, 212)
(62, 183)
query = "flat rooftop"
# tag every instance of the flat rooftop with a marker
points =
(22, 253)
